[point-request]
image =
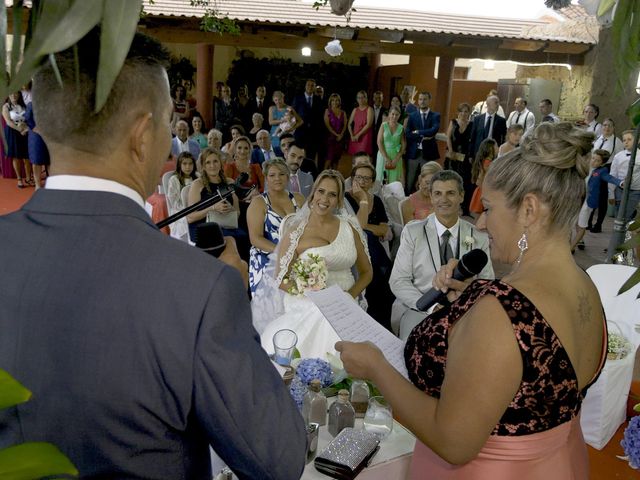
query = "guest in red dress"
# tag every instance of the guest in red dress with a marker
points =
(360, 123)
(520, 352)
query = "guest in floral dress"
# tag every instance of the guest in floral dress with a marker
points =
(520, 352)
(265, 214)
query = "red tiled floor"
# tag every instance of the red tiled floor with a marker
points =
(12, 197)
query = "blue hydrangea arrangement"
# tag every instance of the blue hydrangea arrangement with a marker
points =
(297, 389)
(631, 442)
(307, 370)
(315, 368)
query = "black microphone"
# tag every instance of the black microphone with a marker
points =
(223, 193)
(469, 265)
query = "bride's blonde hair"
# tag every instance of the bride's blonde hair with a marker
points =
(334, 175)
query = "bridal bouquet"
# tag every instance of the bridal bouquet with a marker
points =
(309, 273)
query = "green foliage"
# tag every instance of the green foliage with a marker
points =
(11, 391)
(34, 460)
(181, 71)
(57, 25)
(28, 460)
(557, 4)
(214, 20)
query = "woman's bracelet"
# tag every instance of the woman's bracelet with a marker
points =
(364, 202)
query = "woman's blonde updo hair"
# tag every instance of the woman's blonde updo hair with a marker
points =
(552, 162)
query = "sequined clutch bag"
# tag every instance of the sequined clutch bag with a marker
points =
(347, 454)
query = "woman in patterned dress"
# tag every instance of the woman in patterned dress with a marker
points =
(520, 352)
(265, 214)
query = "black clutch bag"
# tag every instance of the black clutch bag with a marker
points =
(347, 454)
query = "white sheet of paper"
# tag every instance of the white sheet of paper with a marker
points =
(353, 324)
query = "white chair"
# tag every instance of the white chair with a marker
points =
(604, 407)
(165, 182)
(184, 195)
(400, 205)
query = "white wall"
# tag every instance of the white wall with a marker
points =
(477, 69)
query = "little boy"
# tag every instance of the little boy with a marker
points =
(514, 135)
(619, 168)
(599, 174)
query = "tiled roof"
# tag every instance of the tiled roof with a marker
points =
(297, 12)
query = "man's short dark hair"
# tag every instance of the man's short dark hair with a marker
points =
(296, 144)
(66, 113)
(546, 101)
(285, 136)
(445, 176)
(425, 93)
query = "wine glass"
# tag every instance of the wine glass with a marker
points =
(379, 417)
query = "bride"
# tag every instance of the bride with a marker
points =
(321, 227)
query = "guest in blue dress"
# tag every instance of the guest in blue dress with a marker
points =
(38, 152)
(276, 112)
(265, 215)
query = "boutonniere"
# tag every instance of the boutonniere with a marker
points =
(468, 241)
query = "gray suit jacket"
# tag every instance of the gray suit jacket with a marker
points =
(138, 348)
(418, 260)
(194, 148)
(306, 183)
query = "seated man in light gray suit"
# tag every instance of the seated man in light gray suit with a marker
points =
(182, 143)
(425, 246)
(140, 351)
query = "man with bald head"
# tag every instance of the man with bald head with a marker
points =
(522, 116)
(182, 143)
(487, 125)
(264, 150)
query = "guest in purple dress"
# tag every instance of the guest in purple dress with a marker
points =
(336, 122)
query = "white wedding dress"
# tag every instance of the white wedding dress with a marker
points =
(316, 337)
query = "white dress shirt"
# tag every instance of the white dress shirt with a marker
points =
(455, 233)
(182, 146)
(594, 127)
(611, 144)
(524, 118)
(92, 184)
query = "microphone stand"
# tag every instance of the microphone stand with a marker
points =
(201, 205)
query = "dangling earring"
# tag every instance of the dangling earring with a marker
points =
(523, 246)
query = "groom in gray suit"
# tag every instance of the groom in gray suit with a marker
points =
(138, 348)
(425, 245)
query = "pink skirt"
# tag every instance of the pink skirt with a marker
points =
(556, 454)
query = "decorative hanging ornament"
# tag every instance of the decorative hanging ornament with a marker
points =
(333, 48)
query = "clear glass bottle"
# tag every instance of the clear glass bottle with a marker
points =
(314, 405)
(359, 397)
(341, 414)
